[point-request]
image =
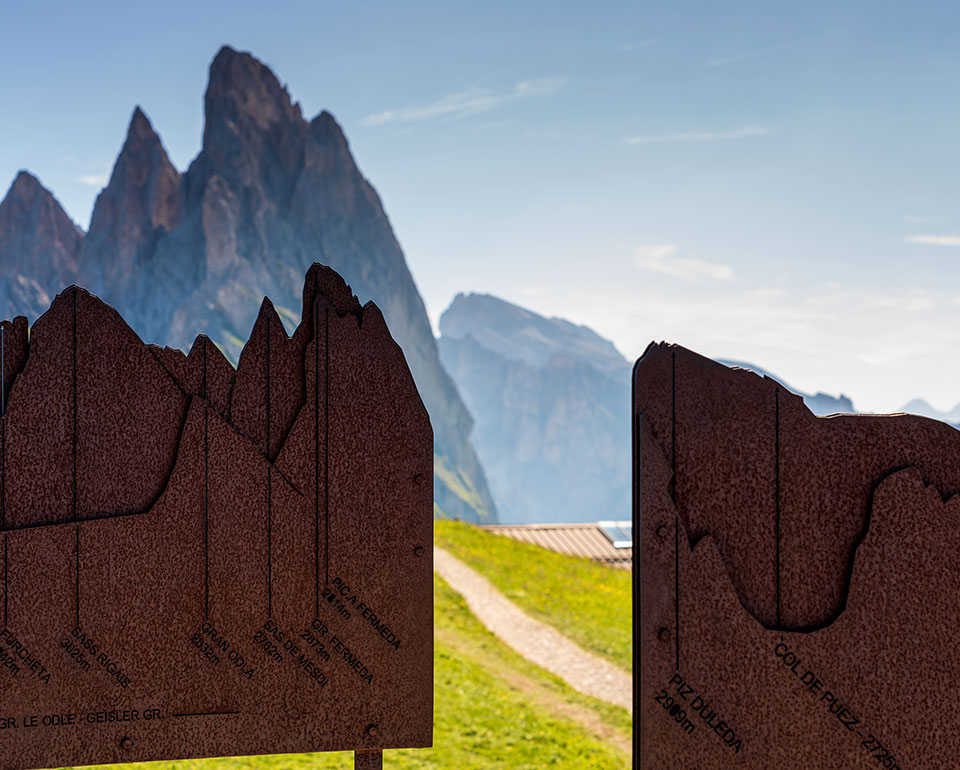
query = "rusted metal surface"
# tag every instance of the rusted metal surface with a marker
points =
(585, 540)
(202, 561)
(797, 576)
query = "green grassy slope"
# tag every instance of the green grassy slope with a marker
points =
(461, 487)
(493, 709)
(587, 601)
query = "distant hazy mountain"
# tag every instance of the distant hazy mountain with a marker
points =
(823, 403)
(818, 403)
(269, 194)
(551, 402)
(921, 407)
(514, 332)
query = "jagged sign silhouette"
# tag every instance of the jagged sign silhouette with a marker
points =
(202, 561)
(798, 579)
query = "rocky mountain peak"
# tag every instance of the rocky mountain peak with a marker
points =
(139, 127)
(243, 88)
(141, 202)
(327, 161)
(325, 130)
(27, 197)
(143, 169)
(253, 134)
(39, 241)
(268, 195)
(25, 186)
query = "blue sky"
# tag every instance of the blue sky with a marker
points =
(767, 182)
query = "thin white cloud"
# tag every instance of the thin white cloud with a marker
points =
(757, 54)
(882, 347)
(566, 136)
(662, 258)
(471, 102)
(702, 136)
(935, 240)
(636, 46)
(94, 180)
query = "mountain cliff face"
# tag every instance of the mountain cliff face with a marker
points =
(39, 245)
(140, 204)
(552, 405)
(269, 194)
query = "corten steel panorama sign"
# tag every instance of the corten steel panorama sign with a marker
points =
(799, 578)
(202, 561)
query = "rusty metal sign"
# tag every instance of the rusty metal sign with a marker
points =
(199, 560)
(798, 577)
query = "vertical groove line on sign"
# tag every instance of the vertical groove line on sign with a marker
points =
(6, 583)
(326, 446)
(676, 528)
(316, 449)
(269, 500)
(776, 438)
(3, 472)
(3, 458)
(76, 550)
(3, 370)
(635, 597)
(206, 514)
(74, 512)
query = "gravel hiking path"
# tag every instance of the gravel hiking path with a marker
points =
(536, 641)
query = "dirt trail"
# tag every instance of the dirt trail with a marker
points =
(536, 691)
(536, 641)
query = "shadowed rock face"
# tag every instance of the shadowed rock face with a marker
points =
(550, 400)
(39, 245)
(139, 205)
(269, 194)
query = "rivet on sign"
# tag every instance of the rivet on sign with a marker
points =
(663, 634)
(662, 531)
(372, 730)
(418, 551)
(418, 478)
(126, 744)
